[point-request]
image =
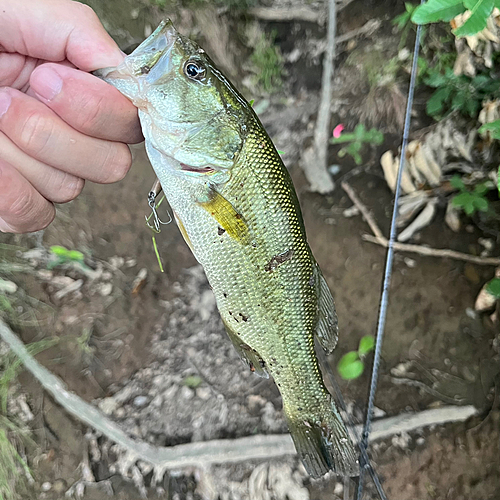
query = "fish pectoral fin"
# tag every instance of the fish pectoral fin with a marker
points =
(327, 323)
(250, 356)
(226, 215)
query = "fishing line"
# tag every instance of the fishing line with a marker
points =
(365, 460)
(384, 299)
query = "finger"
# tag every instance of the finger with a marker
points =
(41, 134)
(55, 30)
(53, 184)
(86, 103)
(22, 208)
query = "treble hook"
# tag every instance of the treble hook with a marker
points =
(155, 191)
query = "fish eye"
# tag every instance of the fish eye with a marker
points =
(194, 70)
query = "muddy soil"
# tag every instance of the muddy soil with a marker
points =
(149, 348)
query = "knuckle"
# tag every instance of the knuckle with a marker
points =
(85, 10)
(92, 116)
(35, 133)
(69, 189)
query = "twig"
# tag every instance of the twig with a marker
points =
(367, 28)
(435, 252)
(380, 239)
(364, 211)
(261, 447)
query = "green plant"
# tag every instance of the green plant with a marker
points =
(192, 381)
(62, 255)
(268, 63)
(460, 93)
(494, 129)
(470, 201)
(356, 140)
(445, 10)
(351, 365)
(493, 287)
(403, 23)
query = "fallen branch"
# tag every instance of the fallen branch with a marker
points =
(380, 239)
(261, 447)
(287, 14)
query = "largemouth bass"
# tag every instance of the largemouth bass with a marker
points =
(236, 207)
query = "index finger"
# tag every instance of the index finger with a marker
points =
(55, 30)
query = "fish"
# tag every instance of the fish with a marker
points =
(236, 207)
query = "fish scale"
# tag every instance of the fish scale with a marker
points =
(236, 207)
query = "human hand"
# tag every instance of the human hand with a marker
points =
(59, 125)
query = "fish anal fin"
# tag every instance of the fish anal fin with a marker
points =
(247, 354)
(327, 322)
(226, 215)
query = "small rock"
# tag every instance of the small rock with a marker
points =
(104, 289)
(338, 489)
(350, 212)
(401, 441)
(334, 169)
(203, 393)
(410, 262)
(186, 393)
(116, 261)
(108, 405)
(59, 486)
(140, 401)
(420, 441)
(255, 402)
(7, 286)
(120, 412)
(46, 486)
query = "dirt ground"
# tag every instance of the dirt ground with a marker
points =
(153, 355)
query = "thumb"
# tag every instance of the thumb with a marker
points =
(57, 30)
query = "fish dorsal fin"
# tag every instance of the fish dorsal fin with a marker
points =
(327, 324)
(250, 356)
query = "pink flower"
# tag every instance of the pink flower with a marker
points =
(338, 130)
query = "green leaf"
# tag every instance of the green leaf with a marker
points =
(480, 203)
(366, 345)
(437, 10)
(493, 287)
(493, 127)
(75, 255)
(435, 103)
(462, 199)
(193, 381)
(280, 152)
(480, 11)
(251, 102)
(483, 188)
(457, 182)
(350, 366)
(59, 250)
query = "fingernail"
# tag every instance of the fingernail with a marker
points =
(5, 101)
(46, 83)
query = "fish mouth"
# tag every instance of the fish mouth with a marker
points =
(138, 68)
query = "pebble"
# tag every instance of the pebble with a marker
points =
(203, 393)
(338, 489)
(46, 486)
(105, 289)
(140, 401)
(410, 262)
(108, 405)
(186, 393)
(420, 441)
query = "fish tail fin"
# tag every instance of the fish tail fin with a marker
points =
(324, 444)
